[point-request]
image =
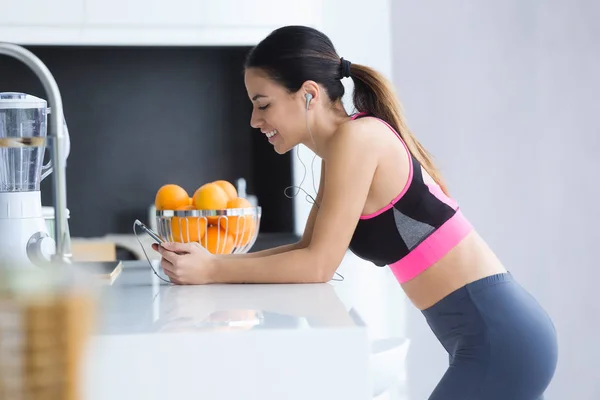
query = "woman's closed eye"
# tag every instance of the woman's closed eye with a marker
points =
(263, 107)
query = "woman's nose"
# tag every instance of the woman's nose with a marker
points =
(255, 122)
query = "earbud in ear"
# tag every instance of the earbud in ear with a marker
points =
(308, 99)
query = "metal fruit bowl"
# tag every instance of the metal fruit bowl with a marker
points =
(228, 231)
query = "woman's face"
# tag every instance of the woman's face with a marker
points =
(278, 114)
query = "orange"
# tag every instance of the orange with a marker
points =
(243, 238)
(191, 202)
(217, 241)
(238, 202)
(171, 197)
(228, 188)
(210, 196)
(239, 227)
(188, 229)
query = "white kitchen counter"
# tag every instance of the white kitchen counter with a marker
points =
(160, 341)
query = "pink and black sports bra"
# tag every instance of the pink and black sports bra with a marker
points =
(415, 230)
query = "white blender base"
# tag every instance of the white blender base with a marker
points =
(24, 238)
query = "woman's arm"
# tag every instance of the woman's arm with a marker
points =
(348, 183)
(312, 217)
(306, 235)
(263, 253)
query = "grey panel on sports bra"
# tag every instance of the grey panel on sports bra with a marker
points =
(412, 231)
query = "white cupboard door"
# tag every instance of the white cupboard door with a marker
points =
(41, 12)
(145, 13)
(256, 13)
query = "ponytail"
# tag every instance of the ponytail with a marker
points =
(373, 94)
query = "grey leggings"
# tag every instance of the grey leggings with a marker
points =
(502, 344)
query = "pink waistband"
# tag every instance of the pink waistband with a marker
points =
(432, 249)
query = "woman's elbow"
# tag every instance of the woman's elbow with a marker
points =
(325, 266)
(326, 276)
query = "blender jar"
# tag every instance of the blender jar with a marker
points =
(23, 124)
(23, 141)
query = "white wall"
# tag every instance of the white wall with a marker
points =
(506, 94)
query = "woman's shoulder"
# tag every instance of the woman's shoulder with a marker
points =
(361, 125)
(366, 123)
(354, 131)
(350, 136)
(357, 137)
(367, 132)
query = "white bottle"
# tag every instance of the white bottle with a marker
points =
(241, 189)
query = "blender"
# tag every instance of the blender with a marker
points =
(24, 237)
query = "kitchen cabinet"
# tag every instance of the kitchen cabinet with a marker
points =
(150, 22)
(271, 13)
(145, 13)
(41, 13)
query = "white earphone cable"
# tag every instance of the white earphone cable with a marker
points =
(310, 199)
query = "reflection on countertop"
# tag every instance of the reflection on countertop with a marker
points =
(140, 303)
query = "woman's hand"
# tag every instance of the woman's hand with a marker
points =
(186, 263)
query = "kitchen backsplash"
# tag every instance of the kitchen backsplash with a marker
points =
(140, 117)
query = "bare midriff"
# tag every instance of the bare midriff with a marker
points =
(470, 260)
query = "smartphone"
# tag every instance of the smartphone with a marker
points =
(150, 232)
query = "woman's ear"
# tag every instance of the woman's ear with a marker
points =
(311, 93)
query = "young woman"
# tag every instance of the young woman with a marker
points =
(381, 197)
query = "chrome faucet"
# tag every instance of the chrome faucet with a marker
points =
(59, 182)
